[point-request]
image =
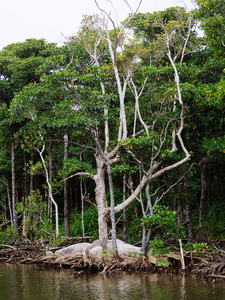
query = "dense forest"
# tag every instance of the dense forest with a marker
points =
(119, 133)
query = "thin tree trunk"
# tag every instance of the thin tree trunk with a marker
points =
(50, 179)
(66, 194)
(26, 186)
(26, 194)
(202, 164)
(145, 239)
(180, 213)
(5, 182)
(49, 187)
(82, 206)
(31, 175)
(189, 221)
(188, 213)
(146, 236)
(112, 211)
(15, 221)
(124, 211)
(182, 255)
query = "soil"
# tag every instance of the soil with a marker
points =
(89, 257)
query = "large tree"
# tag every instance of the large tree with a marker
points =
(120, 77)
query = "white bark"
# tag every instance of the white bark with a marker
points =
(50, 194)
(122, 83)
(137, 96)
(100, 196)
(182, 255)
(49, 186)
(5, 182)
(82, 206)
(93, 52)
(65, 188)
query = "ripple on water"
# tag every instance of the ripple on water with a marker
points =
(22, 282)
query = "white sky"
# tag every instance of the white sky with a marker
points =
(49, 19)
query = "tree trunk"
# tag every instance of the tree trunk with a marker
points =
(82, 206)
(146, 236)
(112, 210)
(50, 195)
(26, 181)
(189, 221)
(202, 164)
(50, 179)
(100, 197)
(5, 182)
(31, 175)
(15, 221)
(188, 213)
(179, 213)
(66, 194)
(145, 239)
(124, 211)
(26, 194)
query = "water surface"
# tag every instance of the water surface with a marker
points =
(23, 282)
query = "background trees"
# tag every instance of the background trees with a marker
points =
(104, 121)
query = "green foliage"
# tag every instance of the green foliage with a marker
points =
(113, 252)
(134, 229)
(212, 13)
(43, 90)
(90, 223)
(104, 251)
(8, 235)
(214, 220)
(163, 263)
(149, 25)
(164, 220)
(46, 230)
(124, 169)
(158, 247)
(141, 254)
(55, 241)
(33, 210)
(73, 165)
(196, 247)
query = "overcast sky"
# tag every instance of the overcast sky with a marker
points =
(53, 19)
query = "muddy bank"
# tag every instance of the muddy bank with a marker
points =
(90, 257)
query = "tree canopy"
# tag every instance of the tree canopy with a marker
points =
(113, 124)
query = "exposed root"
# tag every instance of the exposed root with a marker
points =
(208, 270)
(209, 266)
(141, 265)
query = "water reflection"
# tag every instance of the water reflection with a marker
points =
(182, 289)
(22, 282)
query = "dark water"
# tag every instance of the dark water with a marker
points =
(22, 282)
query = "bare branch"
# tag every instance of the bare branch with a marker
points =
(108, 15)
(136, 192)
(173, 185)
(79, 174)
(71, 52)
(137, 160)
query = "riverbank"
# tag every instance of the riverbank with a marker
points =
(89, 258)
